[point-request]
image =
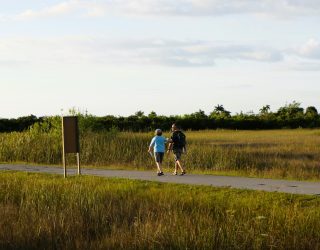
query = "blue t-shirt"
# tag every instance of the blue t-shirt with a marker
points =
(158, 144)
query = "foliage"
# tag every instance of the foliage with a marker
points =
(292, 115)
(19, 124)
(49, 212)
(291, 111)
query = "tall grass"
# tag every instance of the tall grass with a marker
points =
(49, 212)
(277, 153)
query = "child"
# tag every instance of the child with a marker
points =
(158, 145)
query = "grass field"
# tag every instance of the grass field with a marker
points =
(291, 154)
(49, 212)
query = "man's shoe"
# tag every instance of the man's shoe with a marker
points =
(183, 173)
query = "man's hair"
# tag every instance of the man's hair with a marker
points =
(175, 125)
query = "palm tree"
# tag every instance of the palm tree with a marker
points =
(219, 110)
(265, 109)
(139, 114)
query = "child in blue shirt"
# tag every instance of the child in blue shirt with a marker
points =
(158, 144)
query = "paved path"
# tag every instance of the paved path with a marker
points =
(294, 187)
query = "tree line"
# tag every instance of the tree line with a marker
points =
(291, 115)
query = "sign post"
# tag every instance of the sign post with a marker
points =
(70, 140)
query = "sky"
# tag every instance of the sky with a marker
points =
(169, 56)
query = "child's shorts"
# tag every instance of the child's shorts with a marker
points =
(159, 156)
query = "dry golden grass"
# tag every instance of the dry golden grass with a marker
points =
(290, 154)
(49, 212)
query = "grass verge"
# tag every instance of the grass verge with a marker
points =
(49, 212)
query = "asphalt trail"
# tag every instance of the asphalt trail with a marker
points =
(270, 185)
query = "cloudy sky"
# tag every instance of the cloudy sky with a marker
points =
(169, 56)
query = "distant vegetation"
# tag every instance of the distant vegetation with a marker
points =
(291, 115)
(49, 212)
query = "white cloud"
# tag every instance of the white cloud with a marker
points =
(54, 10)
(311, 49)
(95, 11)
(235, 51)
(213, 7)
(305, 66)
(279, 8)
(176, 53)
(2, 18)
(137, 52)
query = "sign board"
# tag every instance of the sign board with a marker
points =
(70, 140)
(70, 134)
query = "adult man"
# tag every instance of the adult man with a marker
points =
(178, 146)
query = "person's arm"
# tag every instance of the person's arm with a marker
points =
(151, 145)
(170, 144)
(166, 140)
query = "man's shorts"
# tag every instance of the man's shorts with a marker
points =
(177, 154)
(159, 156)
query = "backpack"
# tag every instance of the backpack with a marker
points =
(179, 139)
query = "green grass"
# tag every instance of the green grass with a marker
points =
(288, 154)
(41, 211)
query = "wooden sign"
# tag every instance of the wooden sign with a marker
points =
(70, 140)
(71, 134)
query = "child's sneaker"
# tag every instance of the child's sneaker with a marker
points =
(159, 174)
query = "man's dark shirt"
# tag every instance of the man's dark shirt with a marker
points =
(176, 141)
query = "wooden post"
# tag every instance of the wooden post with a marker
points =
(78, 163)
(64, 166)
(63, 153)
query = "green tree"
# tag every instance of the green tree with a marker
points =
(199, 114)
(311, 112)
(291, 110)
(152, 115)
(265, 110)
(139, 114)
(50, 124)
(220, 111)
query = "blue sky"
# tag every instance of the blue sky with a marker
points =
(172, 57)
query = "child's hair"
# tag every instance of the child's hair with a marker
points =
(158, 132)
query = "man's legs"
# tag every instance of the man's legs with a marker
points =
(175, 168)
(178, 164)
